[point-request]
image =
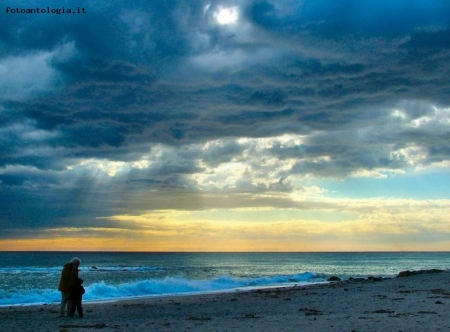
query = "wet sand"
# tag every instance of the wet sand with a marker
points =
(412, 303)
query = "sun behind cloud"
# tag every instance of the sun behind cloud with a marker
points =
(225, 16)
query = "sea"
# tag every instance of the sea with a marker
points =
(28, 278)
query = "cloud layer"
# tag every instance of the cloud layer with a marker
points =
(143, 106)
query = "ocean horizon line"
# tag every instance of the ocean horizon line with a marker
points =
(231, 252)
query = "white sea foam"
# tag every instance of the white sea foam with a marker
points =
(154, 287)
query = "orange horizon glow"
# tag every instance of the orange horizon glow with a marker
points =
(107, 245)
(360, 225)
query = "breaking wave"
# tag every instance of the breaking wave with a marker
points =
(103, 291)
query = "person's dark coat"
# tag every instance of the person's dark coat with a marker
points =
(76, 291)
(69, 277)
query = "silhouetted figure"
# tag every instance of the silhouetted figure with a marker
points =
(76, 295)
(69, 276)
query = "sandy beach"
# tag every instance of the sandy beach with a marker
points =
(412, 303)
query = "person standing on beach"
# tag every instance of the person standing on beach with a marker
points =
(76, 296)
(69, 276)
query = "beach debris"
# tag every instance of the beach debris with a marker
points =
(85, 326)
(380, 311)
(440, 292)
(404, 315)
(197, 318)
(356, 279)
(131, 305)
(310, 312)
(409, 273)
(334, 279)
(371, 278)
(252, 316)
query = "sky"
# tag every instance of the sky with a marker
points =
(234, 125)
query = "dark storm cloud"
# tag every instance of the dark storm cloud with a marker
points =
(114, 84)
(340, 18)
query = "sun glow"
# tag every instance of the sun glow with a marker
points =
(226, 15)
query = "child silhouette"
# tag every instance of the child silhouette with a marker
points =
(76, 294)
